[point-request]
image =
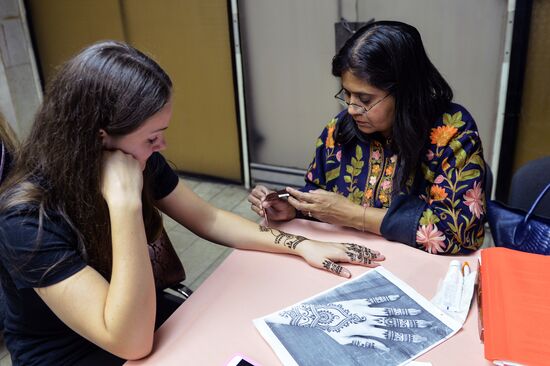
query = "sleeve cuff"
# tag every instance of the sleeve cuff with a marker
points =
(401, 220)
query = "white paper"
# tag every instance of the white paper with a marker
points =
(374, 319)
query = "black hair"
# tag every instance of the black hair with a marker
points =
(390, 56)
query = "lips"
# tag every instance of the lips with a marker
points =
(363, 124)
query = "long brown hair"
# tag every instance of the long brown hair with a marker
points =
(111, 86)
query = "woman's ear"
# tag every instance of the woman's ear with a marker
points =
(105, 138)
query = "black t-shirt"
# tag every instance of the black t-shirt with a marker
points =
(34, 334)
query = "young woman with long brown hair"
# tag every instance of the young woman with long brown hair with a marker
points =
(82, 202)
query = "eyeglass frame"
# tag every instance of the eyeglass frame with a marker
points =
(364, 109)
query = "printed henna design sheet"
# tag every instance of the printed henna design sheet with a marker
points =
(374, 319)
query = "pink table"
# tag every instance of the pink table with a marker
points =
(216, 321)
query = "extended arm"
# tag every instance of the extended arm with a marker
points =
(232, 230)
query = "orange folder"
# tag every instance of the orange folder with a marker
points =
(515, 306)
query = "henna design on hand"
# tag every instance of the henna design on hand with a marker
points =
(288, 240)
(332, 267)
(360, 254)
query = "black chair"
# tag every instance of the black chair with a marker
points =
(527, 183)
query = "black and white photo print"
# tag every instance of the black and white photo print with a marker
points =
(375, 319)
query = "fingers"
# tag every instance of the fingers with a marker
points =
(398, 323)
(404, 337)
(363, 255)
(368, 343)
(256, 198)
(336, 268)
(400, 311)
(381, 299)
(301, 201)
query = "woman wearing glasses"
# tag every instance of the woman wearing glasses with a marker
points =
(402, 160)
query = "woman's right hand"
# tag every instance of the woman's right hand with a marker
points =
(277, 210)
(121, 178)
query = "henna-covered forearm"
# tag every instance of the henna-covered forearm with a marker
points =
(288, 240)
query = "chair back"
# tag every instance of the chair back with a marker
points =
(527, 184)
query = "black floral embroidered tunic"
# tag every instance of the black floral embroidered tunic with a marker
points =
(445, 211)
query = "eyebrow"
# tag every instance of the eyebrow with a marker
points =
(361, 94)
(160, 129)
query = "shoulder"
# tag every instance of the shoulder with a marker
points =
(161, 178)
(457, 116)
(326, 137)
(455, 122)
(21, 224)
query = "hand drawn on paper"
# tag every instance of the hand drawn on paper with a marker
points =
(355, 322)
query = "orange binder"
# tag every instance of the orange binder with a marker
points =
(515, 306)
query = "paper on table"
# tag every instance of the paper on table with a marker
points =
(374, 319)
(455, 293)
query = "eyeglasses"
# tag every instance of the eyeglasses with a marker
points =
(343, 98)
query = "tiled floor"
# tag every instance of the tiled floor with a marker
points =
(199, 257)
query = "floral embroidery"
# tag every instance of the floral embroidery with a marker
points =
(380, 176)
(442, 134)
(431, 238)
(330, 138)
(439, 179)
(473, 198)
(353, 171)
(449, 184)
(438, 193)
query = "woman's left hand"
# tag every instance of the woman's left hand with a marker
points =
(326, 256)
(329, 207)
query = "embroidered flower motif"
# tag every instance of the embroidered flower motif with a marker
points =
(389, 170)
(430, 155)
(431, 238)
(376, 168)
(473, 198)
(393, 159)
(339, 155)
(368, 194)
(376, 155)
(372, 180)
(439, 179)
(383, 198)
(442, 134)
(330, 140)
(438, 193)
(310, 176)
(386, 184)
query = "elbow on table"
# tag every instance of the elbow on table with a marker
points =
(133, 350)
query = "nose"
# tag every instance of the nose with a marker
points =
(353, 110)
